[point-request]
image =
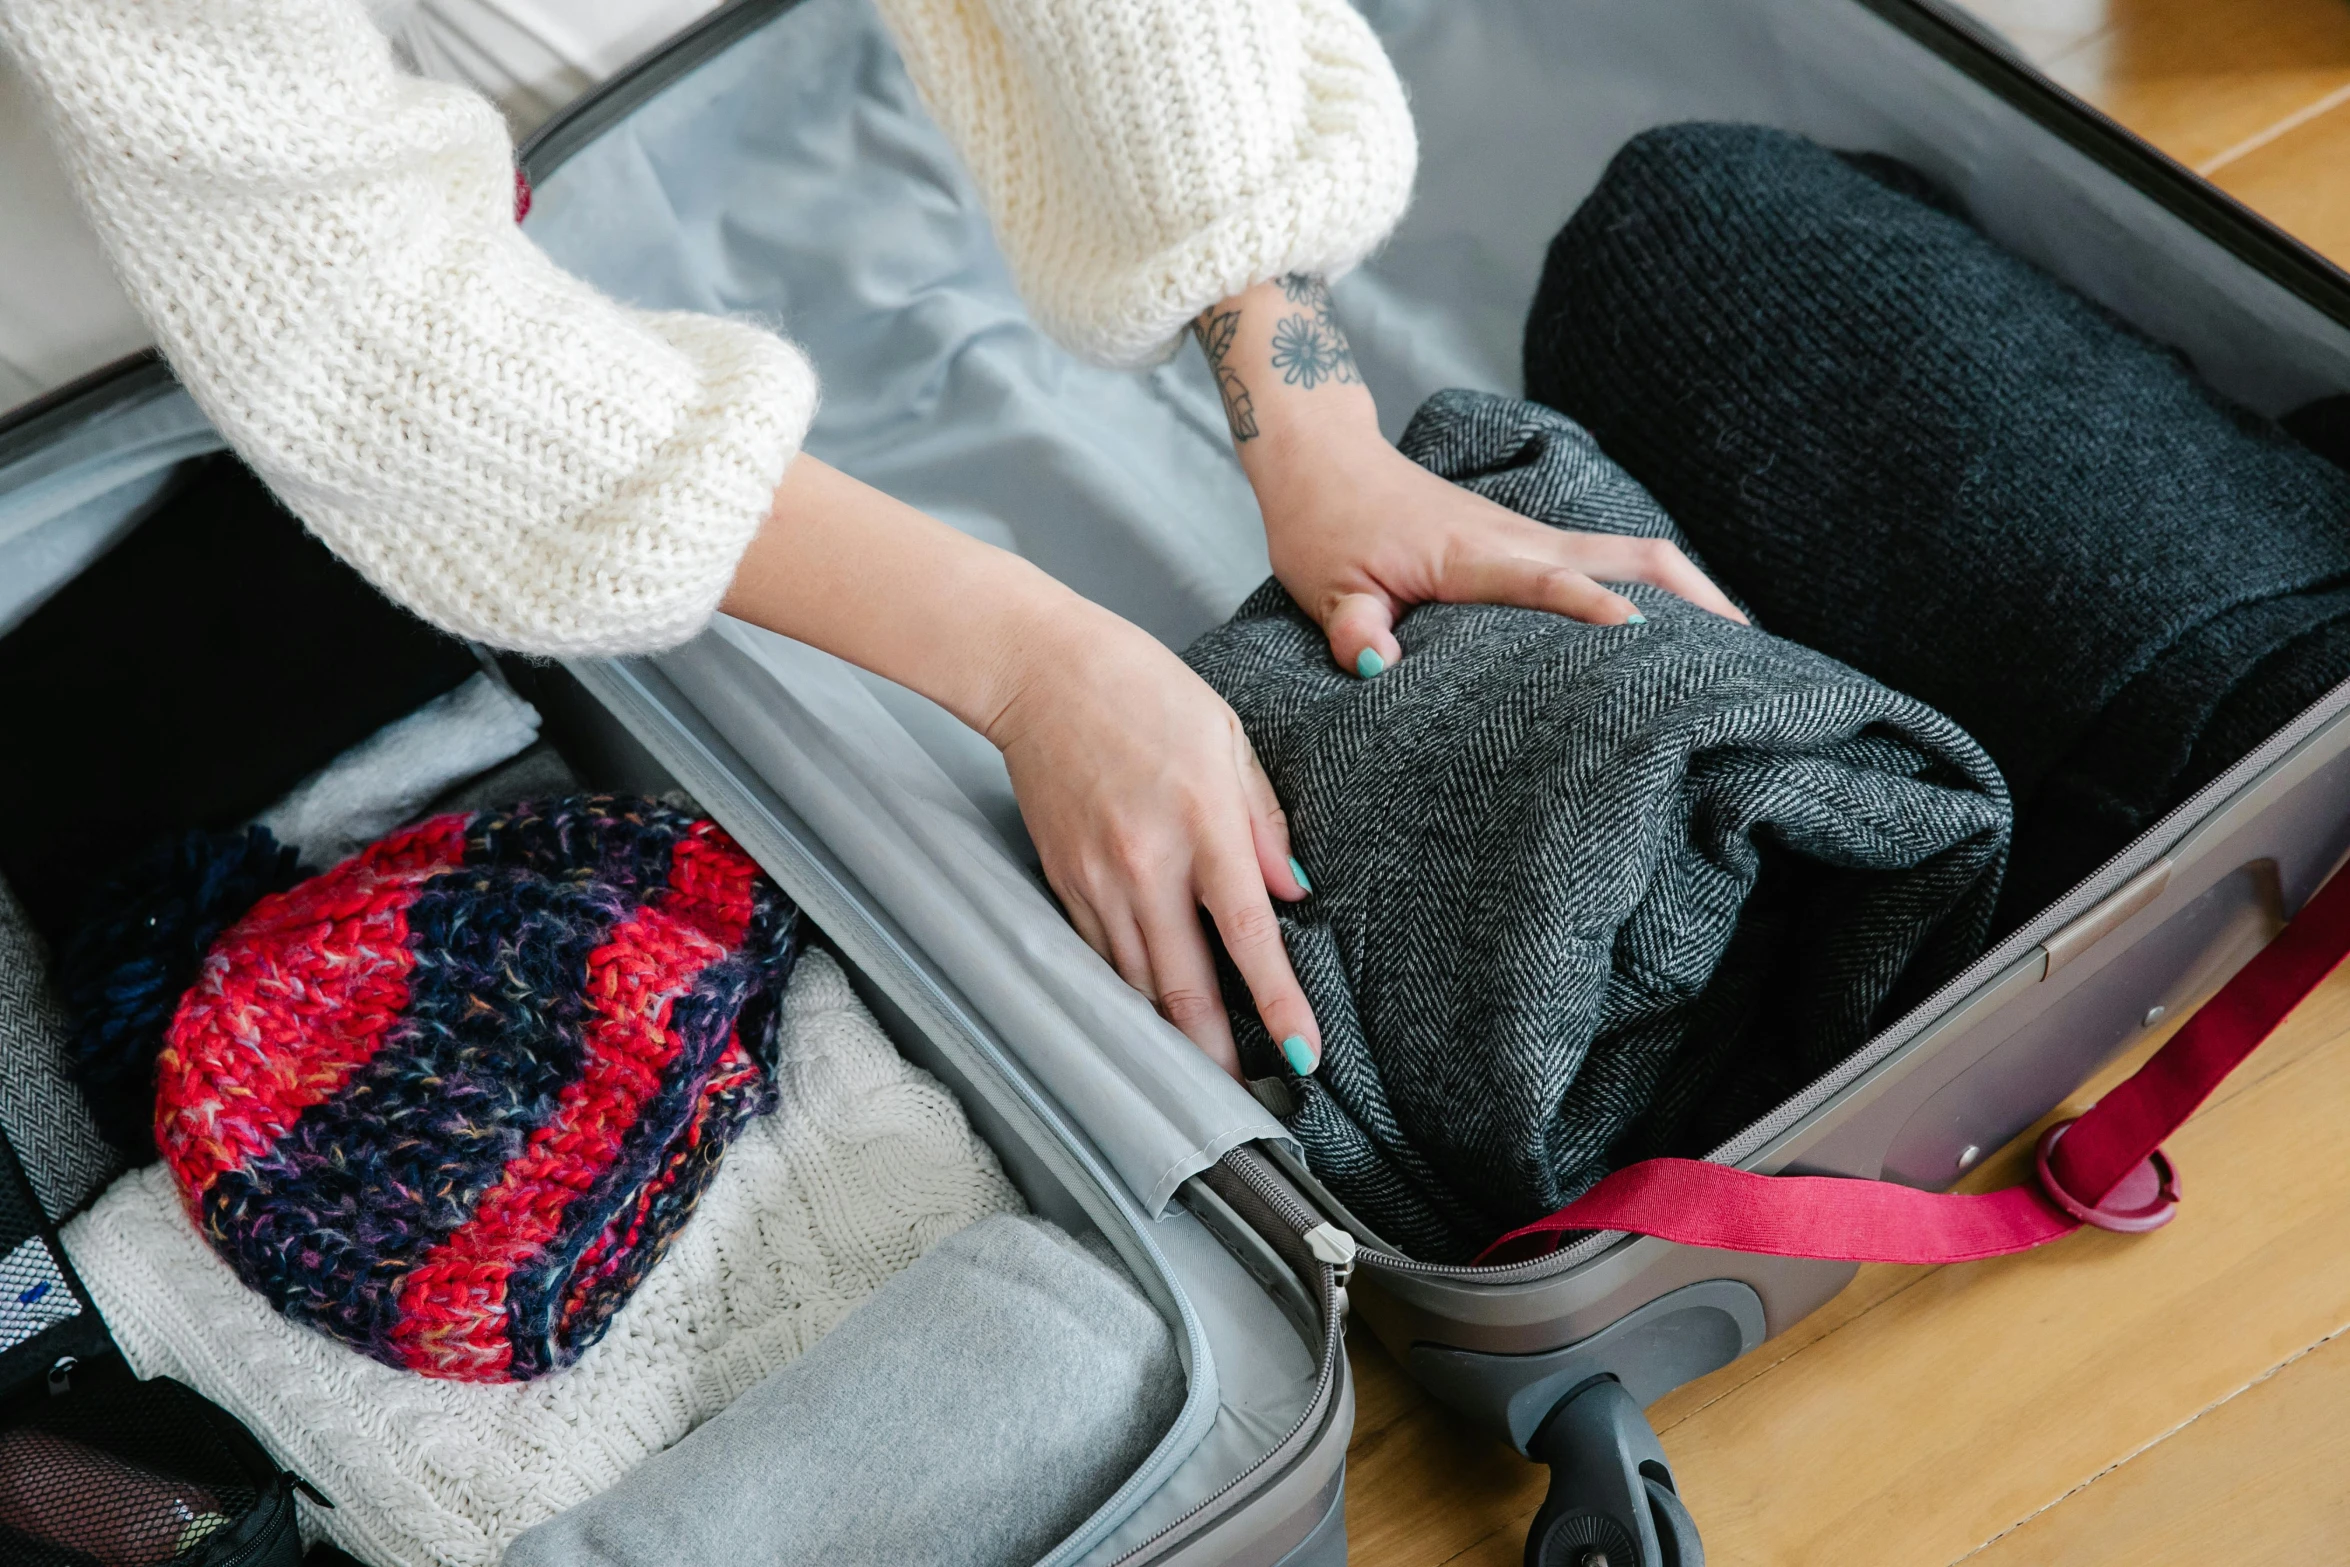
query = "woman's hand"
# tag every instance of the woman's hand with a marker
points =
(1357, 531)
(1147, 804)
(1140, 790)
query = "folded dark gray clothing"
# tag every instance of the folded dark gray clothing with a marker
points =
(1587, 894)
(972, 1413)
(1915, 451)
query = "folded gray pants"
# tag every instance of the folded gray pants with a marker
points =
(975, 1410)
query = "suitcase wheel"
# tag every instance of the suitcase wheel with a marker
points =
(1612, 1501)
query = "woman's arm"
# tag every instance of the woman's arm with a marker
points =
(1358, 532)
(1136, 782)
(1145, 158)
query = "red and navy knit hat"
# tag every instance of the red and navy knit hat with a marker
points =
(449, 1101)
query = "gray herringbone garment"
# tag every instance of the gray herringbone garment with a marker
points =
(1586, 894)
(41, 1110)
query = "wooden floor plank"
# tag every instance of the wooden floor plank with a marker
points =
(2201, 79)
(2301, 182)
(2263, 1477)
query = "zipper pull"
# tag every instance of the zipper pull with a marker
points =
(1334, 1246)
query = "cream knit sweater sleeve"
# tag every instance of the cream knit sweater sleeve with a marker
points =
(326, 250)
(1142, 159)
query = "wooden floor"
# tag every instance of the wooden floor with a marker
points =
(2182, 1397)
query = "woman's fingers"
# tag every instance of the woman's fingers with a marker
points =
(1530, 582)
(1089, 925)
(1114, 935)
(1146, 804)
(1234, 893)
(1361, 628)
(1657, 562)
(1268, 824)
(1188, 994)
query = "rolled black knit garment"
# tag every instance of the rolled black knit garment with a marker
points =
(1586, 894)
(1916, 452)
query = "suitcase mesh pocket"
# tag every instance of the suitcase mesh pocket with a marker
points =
(121, 1473)
(100, 1469)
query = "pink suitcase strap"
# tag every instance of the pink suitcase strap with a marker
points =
(2105, 1168)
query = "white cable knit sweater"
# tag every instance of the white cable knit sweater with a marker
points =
(325, 249)
(865, 1165)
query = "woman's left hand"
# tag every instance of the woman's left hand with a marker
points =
(1358, 532)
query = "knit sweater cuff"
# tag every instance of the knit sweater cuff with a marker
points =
(1143, 159)
(325, 247)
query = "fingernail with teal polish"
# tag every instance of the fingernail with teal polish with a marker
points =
(1301, 1057)
(1369, 664)
(1299, 872)
(1636, 619)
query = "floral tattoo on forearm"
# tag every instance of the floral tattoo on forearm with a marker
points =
(1310, 349)
(1307, 350)
(1216, 329)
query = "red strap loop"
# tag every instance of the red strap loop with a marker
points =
(2105, 1169)
(2145, 1200)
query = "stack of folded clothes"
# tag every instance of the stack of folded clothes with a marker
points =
(516, 1105)
(864, 1164)
(499, 1157)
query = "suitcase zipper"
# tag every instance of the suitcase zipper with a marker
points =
(1333, 1250)
(1331, 1245)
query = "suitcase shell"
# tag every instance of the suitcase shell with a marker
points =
(1519, 104)
(2151, 933)
(895, 836)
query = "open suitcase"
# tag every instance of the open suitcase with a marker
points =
(775, 161)
(1253, 1467)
